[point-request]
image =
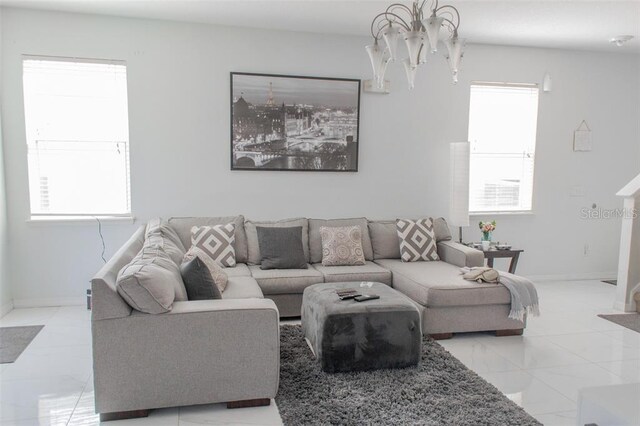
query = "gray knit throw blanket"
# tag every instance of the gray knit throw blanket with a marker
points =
(524, 297)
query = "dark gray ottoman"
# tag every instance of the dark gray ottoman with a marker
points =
(346, 335)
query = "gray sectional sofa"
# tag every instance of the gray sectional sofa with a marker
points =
(228, 350)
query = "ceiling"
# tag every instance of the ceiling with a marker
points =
(572, 24)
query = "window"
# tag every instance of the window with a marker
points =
(77, 137)
(502, 131)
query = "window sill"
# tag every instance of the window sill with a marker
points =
(503, 213)
(80, 220)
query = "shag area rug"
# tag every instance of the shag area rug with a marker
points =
(14, 340)
(630, 321)
(439, 391)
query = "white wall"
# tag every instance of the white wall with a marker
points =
(6, 299)
(178, 76)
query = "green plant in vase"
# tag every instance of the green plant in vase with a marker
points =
(487, 229)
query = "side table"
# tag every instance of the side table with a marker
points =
(493, 253)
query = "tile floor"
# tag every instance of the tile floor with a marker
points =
(565, 349)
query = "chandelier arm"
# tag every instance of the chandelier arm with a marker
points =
(457, 14)
(400, 5)
(386, 14)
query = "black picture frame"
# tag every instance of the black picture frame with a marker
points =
(264, 131)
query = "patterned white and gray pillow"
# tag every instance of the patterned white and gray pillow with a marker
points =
(216, 242)
(341, 246)
(417, 240)
(217, 272)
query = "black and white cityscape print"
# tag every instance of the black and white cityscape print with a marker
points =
(294, 123)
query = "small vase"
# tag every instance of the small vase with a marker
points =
(486, 236)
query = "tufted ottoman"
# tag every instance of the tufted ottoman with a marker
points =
(346, 335)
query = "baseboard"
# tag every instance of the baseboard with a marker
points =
(6, 308)
(575, 277)
(49, 302)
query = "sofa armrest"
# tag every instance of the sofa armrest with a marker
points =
(106, 302)
(459, 254)
(201, 352)
(217, 305)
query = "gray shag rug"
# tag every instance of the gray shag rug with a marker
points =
(630, 321)
(439, 391)
(14, 340)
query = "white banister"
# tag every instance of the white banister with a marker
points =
(629, 259)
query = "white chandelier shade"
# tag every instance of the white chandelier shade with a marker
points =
(455, 48)
(410, 70)
(433, 26)
(414, 41)
(379, 61)
(391, 36)
(420, 34)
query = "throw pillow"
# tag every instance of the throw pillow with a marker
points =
(281, 248)
(252, 235)
(150, 281)
(216, 242)
(417, 240)
(217, 272)
(198, 281)
(342, 246)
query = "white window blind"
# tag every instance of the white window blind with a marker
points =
(77, 136)
(502, 131)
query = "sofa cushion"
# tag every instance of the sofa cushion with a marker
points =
(183, 225)
(216, 242)
(242, 288)
(151, 281)
(283, 281)
(417, 240)
(281, 248)
(198, 281)
(367, 272)
(240, 270)
(158, 232)
(441, 229)
(342, 245)
(384, 239)
(254, 257)
(315, 240)
(438, 283)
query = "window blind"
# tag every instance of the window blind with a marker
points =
(502, 132)
(76, 118)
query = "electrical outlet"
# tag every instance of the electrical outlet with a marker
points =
(586, 249)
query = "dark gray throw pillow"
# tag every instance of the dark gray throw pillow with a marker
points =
(281, 248)
(198, 281)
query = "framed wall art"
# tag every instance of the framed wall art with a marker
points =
(295, 123)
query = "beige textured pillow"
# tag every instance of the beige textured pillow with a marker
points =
(217, 273)
(342, 246)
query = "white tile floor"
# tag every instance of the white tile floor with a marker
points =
(565, 349)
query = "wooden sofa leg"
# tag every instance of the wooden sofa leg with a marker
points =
(511, 332)
(123, 415)
(441, 336)
(260, 402)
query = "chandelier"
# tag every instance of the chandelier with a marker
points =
(399, 21)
